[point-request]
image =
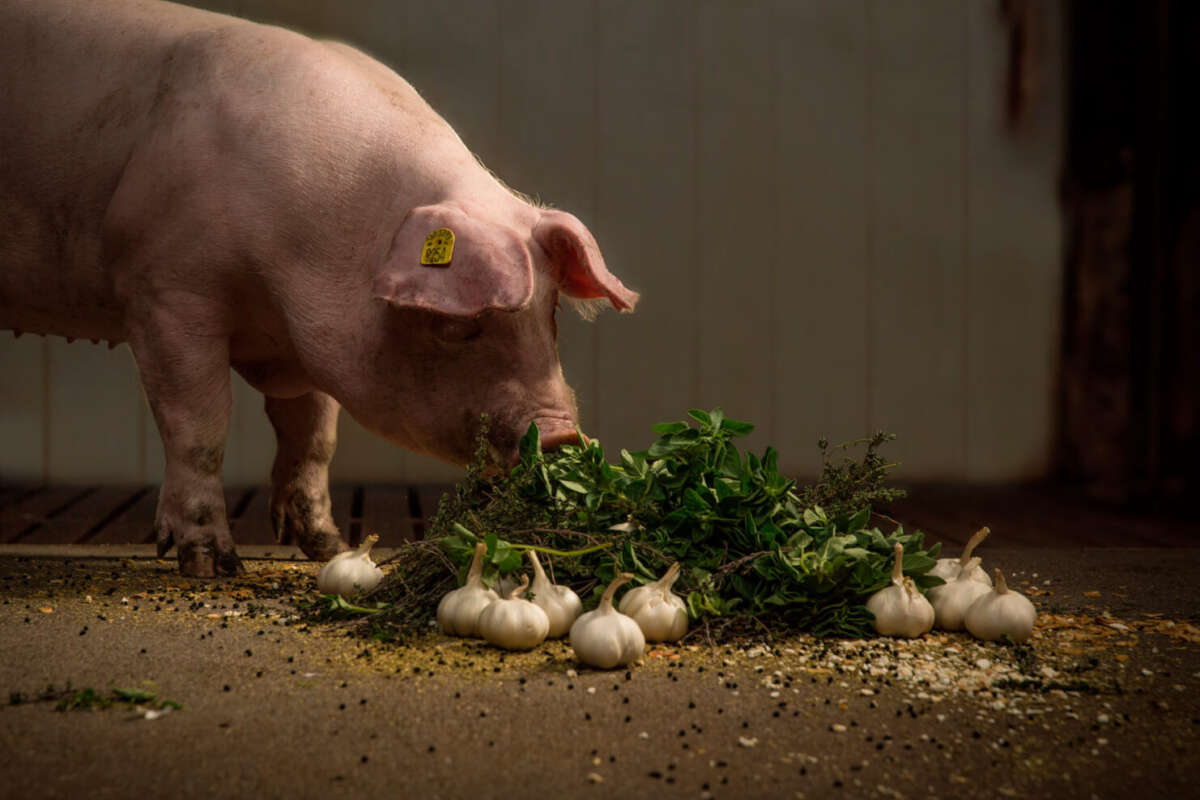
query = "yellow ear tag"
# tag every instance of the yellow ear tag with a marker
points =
(438, 249)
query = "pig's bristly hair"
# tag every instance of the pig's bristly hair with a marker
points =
(588, 309)
(534, 201)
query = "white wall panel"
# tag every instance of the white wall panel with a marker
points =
(646, 218)
(916, 300)
(737, 247)
(832, 229)
(24, 387)
(95, 424)
(1014, 231)
(820, 371)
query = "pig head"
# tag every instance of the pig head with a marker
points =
(476, 334)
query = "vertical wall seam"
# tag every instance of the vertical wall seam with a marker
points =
(694, 248)
(499, 133)
(47, 388)
(869, 222)
(595, 196)
(965, 461)
(773, 322)
(143, 438)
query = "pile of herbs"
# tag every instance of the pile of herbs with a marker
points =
(753, 544)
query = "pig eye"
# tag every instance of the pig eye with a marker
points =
(456, 329)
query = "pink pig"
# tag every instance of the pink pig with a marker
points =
(218, 193)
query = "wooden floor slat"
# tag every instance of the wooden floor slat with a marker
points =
(10, 494)
(1028, 516)
(254, 526)
(429, 496)
(22, 518)
(70, 522)
(341, 497)
(387, 512)
(134, 525)
(1033, 516)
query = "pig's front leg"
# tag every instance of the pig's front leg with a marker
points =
(186, 377)
(306, 436)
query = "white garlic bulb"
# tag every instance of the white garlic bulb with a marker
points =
(951, 600)
(660, 614)
(1001, 612)
(900, 609)
(606, 638)
(514, 623)
(948, 568)
(561, 604)
(351, 573)
(458, 612)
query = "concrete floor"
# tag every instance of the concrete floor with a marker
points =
(273, 709)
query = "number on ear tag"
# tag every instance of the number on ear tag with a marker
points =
(438, 249)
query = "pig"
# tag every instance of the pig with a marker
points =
(217, 193)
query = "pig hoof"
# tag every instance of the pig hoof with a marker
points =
(203, 554)
(313, 532)
(206, 561)
(321, 545)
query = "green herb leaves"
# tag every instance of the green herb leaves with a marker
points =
(751, 542)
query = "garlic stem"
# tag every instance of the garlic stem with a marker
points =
(897, 565)
(539, 574)
(669, 577)
(519, 590)
(606, 604)
(1001, 584)
(975, 540)
(475, 574)
(367, 544)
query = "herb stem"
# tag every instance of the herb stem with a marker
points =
(550, 551)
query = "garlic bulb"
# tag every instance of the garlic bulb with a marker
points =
(660, 614)
(606, 638)
(458, 612)
(351, 573)
(951, 600)
(561, 604)
(948, 568)
(1001, 612)
(900, 609)
(514, 623)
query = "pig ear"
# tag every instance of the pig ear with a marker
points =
(574, 252)
(489, 267)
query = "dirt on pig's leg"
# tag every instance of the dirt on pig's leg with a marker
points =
(306, 437)
(185, 372)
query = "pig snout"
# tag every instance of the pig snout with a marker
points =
(556, 432)
(553, 433)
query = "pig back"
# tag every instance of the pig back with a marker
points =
(149, 144)
(78, 82)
